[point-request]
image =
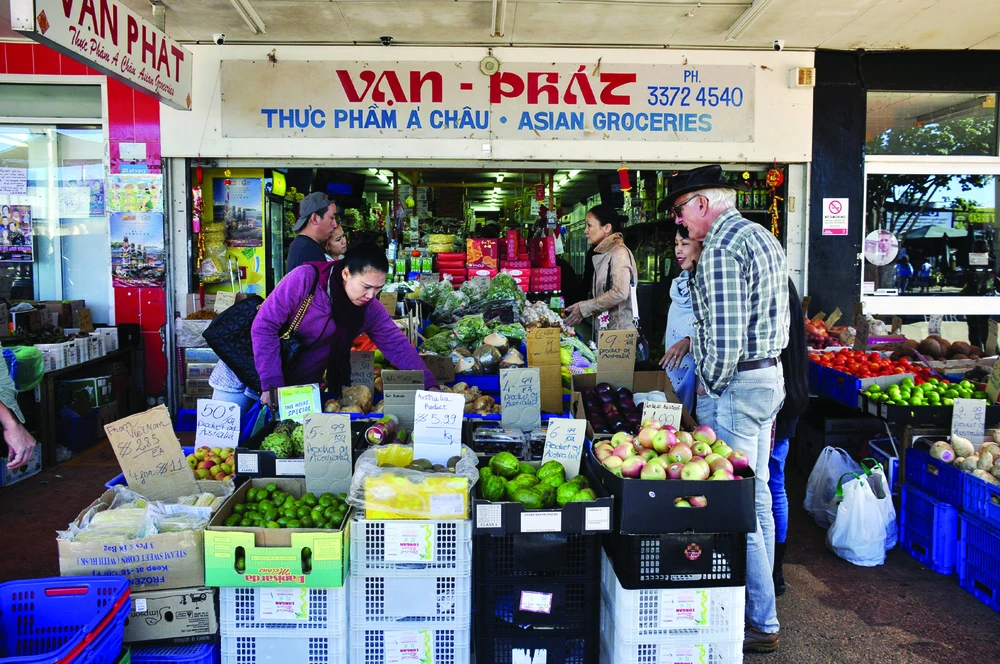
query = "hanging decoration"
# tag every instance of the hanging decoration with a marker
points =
(773, 180)
(623, 179)
(196, 207)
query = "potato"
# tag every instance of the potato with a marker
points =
(943, 451)
(331, 406)
(985, 461)
(996, 471)
(970, 463)
(958, 462)
(986, 477)
(993, 449)
(962, 446)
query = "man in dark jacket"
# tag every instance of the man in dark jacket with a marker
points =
(316, 223)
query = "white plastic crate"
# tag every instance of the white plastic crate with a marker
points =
(314, 649)
(420, 642)
(393, 600)
(290, 611)
(714, 614)
(716, 652)
(416, 546)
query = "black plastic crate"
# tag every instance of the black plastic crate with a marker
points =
(528, 606)
(538, 555)
(559, 648)
(687, 560)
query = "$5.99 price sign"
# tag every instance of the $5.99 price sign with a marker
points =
(437, 426)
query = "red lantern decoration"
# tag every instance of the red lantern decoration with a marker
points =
(623, 179)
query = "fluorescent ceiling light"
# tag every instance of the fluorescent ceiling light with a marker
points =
(496, 190)
(373, 170)
(499, 18)
(250, 16)
(748, 18)
(500, 177)
(573, 174)
(563, 182)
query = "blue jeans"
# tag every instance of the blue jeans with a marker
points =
(776, 484)
(743, 417)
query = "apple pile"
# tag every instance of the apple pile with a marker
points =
(662, 452)
(213, 463)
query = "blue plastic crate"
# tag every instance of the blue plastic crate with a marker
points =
(78, 619)
(76, 432)
(814, 372)
(203, 653)
(187, 420)
(928, 531)
(937, 479)
(981, 499)
(883, 450)
(119, 480)
(979, 561)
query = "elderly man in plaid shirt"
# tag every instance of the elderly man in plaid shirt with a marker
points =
(740, 301)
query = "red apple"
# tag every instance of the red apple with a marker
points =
(680, 452)
(653, 471)
(663, 440)
(739, 460)
(674, 471)
(685, 438)
(698, 501)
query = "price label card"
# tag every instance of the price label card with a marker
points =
(388, 301)
(408, 542)
(363, 369)
(543, 352)
(442, 367)
(934, 325)
(616, 357)
(521, 398)
(663, 412)
(862, 330)
(859, 312)
(84, 321)
(408, 647)
(993, 384)
(294, 403)
(991, 340)
(968, 419)
(218, 424)
(564, 443)
(819, 317)
(150, 455)
(327, 449)
(897, 325)
(437, 426)
(535, 602)
(224, 300)
(283, 604)
(833, 318)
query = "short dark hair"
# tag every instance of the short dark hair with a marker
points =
(607, 216)
(682, 230)
(363, 256)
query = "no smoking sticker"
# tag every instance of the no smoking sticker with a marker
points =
(835, 216)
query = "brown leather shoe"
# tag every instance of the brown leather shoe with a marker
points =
(756, 641)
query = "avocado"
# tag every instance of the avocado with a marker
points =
(530, 498)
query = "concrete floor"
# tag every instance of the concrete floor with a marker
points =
(833, 611)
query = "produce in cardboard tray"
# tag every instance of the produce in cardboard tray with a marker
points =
(962, 454)
(212, 463)
(269, 507)
(926, 392)
(476, 403)
(507, 479)
(662, 452)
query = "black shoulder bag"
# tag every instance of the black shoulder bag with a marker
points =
(229, 336)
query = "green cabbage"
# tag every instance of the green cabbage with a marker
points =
(513, 331)
(471, 330)
(503, 287)
(440, 344)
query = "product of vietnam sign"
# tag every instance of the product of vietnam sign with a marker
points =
(523, 101)
(110, 37)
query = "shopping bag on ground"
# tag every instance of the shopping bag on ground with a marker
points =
(833, 462)
(858, 533)
(879, 484)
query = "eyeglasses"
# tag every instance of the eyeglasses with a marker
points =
(676, 209)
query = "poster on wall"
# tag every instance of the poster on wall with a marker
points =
(137, 250)
(14, 181)
(238, 203)
(15, 233)
(74, 202)
(135, 193)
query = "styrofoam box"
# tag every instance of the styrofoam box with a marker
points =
(312, 649)
(54, 356)
(82, 349)
(714, 614)
(395, 598)
(110, 335)
(660, 650)
(376, 646)
(377, 546)
(264, 612)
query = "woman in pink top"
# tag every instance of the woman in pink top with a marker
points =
(345, 305)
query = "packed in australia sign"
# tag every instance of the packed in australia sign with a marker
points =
(110, 37)
(523, 101)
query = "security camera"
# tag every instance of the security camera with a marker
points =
(386, 40)
(219, 38)
(778, 45)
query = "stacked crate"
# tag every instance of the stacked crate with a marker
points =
(979, 541)
(537, 592)
(411, 591)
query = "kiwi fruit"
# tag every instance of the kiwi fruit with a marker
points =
(930, 348)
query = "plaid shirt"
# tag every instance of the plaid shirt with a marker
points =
(740, 299)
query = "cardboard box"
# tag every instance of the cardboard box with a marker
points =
(642, 381)
(66, 310)
(200, 355)
(157, 562)
(480, 272)
(95, 391)
(524, 273)
(173, 617)
(273, 556)
(199, 369)
(29, 321)
(34, 465)
(515, 264)
(482, 252)
(108, 413)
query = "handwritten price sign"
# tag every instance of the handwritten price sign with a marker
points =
(520, 398)
(150, 455)
(327, 448)
(437, 426)
(968, 419)
(218, 424)
(663, 412)
(564, 443)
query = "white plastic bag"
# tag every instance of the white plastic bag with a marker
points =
(875, 475)
(821, 491)
(858, 533)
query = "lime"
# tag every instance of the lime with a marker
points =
(293, 523)
(272, 524)
(307, 522)
(309, 499)
(271, 514)
(265, 505)
(239, 508)
(271, 488)
(302, 511)
(948, 401)
(283, 521)
(232, 520)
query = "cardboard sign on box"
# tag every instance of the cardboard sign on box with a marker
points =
(173, 617)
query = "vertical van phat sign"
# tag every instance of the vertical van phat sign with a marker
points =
(112, 38)
(523, 101)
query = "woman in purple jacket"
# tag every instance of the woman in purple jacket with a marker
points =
(345, 304)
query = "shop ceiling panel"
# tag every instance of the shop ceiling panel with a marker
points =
(420, 22)
(919, 24)
(806, 24)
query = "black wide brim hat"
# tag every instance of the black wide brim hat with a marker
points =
(703, 177)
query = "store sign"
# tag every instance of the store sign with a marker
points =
(523, 101)
(112, 38)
